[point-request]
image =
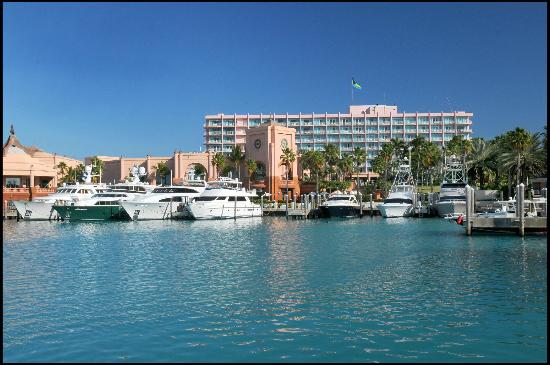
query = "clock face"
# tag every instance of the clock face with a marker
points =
(257, 143)
(284, 143)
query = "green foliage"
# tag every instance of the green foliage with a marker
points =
(219, 162)
(200, 170)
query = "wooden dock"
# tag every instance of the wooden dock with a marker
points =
(520, 223)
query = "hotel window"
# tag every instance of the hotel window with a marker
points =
(448, 120)
(385, 120)
(215, 123)
(435, 119)
(461, 119)
(229, 122)
(358, 130)
(293, 122)
(332, 121)
(253, 122)
(346, 121)
(281, 121)
(398, 120)
(306, 122)
(319, 130)
(358, 120)
(410, 120)
(372, 120)
(266, 120)
(423, 120)
(318, 121)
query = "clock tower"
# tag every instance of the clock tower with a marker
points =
(264, 145)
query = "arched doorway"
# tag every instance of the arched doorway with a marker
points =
(196, 171)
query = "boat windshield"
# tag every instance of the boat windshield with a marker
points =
(398, 200)
(340, 198)
(174, 190)
(453, 185)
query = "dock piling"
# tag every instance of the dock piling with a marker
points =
(520, 206)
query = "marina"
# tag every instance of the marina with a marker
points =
(288, 183)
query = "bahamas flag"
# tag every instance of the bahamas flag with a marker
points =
(355, 84)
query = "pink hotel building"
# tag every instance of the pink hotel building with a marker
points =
(366, 126)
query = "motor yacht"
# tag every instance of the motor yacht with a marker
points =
(41, 208)
(223, 199)
(101, 206)
(164, 202)
(402, 198)
(340, 205)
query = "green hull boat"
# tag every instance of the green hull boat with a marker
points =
(90, 213)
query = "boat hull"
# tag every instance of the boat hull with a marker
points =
(154, 211)
(395, 210)
(30, 210)
(339, 211)
(451, 207)
(89, 213)
(205, 212)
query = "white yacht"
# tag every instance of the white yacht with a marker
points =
(340, 205)
(164, 202)
(452, 196)
(402, 198)
(223, 199)
(106, 204)
(41, 208)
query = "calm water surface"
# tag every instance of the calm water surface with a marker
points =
(369, 289)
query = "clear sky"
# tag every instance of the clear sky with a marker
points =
(136, 79)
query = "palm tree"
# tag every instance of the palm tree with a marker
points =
(346, 166)
(237, 156)
(200, 170)
(519, 141)
(359, 160)
(97, 167)
(218, 161)
(287, 159)
(480, 160)
(162, 170)
(430, 159)
(331, 155)
(251, 167)
(62, 166)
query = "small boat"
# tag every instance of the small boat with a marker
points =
(402, 198)
(340, 205)
(223, 199)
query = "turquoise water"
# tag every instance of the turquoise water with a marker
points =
(368, 289)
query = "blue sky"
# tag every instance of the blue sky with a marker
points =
(136, 79)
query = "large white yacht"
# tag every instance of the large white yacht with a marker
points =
(340, 205)
(164, 202)
(106, 205)
(41, 208)
(402, 198)
(222, 199)
(101, 206)
(452, 196)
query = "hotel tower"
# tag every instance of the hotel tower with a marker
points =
(366, 126)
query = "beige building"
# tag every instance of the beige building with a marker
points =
(181, 164)
(264, 144)
(28, 172)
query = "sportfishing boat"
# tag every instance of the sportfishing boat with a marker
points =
(41, 208)
(340, 205)
(452, 196)
(223, 199)
(402, 198)
(106, 205)
(164, 202)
